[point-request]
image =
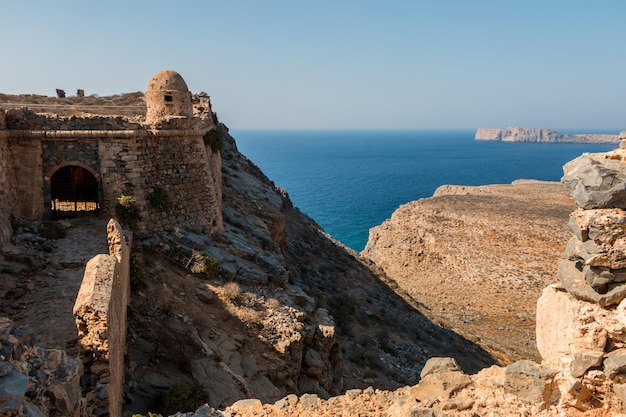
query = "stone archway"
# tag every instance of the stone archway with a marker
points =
(74, 190)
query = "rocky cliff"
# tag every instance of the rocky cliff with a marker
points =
(518, 134)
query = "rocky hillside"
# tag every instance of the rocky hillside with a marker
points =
(286, 309)
(272, 306)
(477, 258)
(518, 134)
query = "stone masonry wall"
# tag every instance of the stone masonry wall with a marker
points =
(8, 197)
(181, 166)
(100, 312)
(178, 164)
(126, 157)
(58, 152)
(27, 157)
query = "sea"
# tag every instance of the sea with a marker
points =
(350, 181)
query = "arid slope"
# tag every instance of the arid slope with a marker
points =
(477, 258)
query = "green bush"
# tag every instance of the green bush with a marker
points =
(127, 211)
(179, 397)
(215, 140)
(204, 264)
(138, 279)
(159, 199)
(52, 230)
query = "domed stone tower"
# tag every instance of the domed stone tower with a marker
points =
(167, 96)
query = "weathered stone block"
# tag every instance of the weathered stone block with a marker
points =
(579, 224)
(611, 255)
(529, 381)
(597, 180)
(585, 360)
(566, 325)
(579, 250)
(442, 385)
(13, 386)
(571, 275)
(597, 277)
(615, 363)
(436, 365)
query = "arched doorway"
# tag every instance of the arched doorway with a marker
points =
(74, 190)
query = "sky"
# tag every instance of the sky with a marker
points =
(439, 64)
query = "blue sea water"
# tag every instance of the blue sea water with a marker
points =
(350, 181)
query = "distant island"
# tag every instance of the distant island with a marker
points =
(518, 134)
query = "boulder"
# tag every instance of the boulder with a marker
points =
(604, 226)
(248, 408)
(611, 256)
(436, 365)
(566, 325)
(579, 250)
(441, 385)
(13, 386)
(529, 381)
(584, 360)
(570, 274)
(615, 363)
(597, 180)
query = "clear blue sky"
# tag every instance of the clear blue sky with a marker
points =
(337, 64)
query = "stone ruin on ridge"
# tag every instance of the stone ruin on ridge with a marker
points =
(51, 163)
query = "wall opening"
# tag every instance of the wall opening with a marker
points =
(74, 191)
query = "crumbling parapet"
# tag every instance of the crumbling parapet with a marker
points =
(100, 313)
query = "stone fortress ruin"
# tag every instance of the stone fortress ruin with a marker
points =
(167, 161)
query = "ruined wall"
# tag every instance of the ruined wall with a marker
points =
(175, 161)
(128, 162)
(127, 158)
(26, 154)
(100, 312)
(181, 166)
(121, 170)
(8, 197)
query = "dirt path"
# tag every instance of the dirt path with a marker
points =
(47, 304)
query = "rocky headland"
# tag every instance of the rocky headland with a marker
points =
(477, 258)
(518, 134)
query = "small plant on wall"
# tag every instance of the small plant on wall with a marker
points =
(214, 139)
(127, 211)
(159, 199)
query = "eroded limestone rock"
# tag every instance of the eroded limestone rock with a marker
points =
(440, 385)
(436, 365)
(589, 286)
(566, 325)
(597, 180)
(530, 381)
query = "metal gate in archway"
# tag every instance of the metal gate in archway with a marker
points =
(74, 190)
